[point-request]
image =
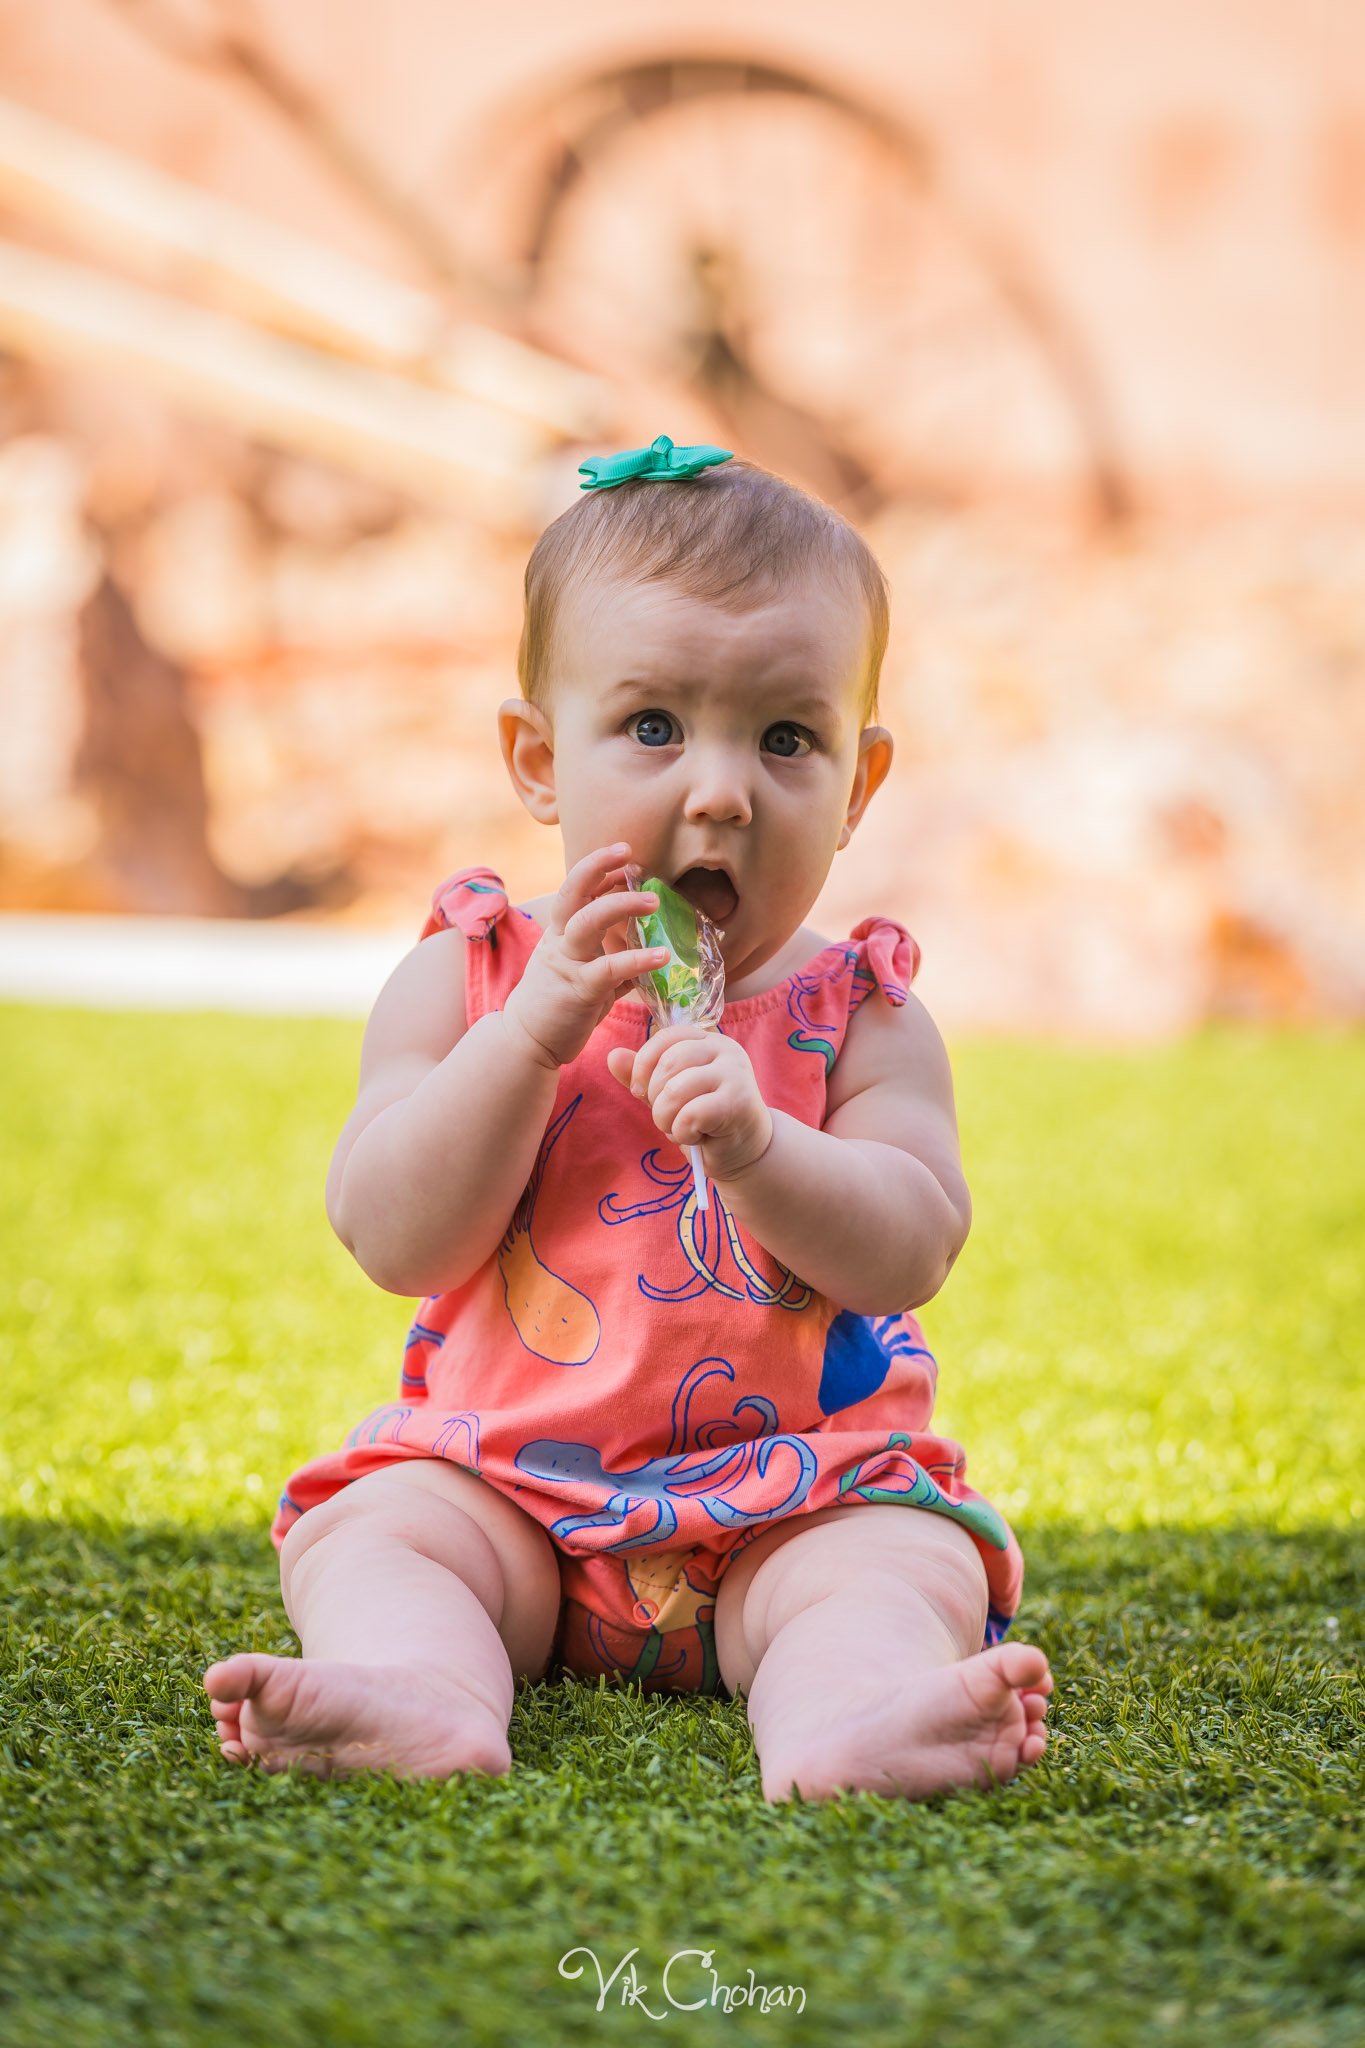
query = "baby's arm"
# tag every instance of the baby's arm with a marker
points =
(443, 1137)
(872, 1209)
(444, 1134)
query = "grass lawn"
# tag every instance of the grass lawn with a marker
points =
(1152, 1349)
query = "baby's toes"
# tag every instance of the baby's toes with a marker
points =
(994, 1676)
(233, 1679)
(227, 1715)
(1023, 1666)
(1035, 1707)
(1033, 1744)
(229, 1732)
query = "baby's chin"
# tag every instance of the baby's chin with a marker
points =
(746, 957)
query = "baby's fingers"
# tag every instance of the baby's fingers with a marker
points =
(678, 1105)
(611, 969)
(653, 1069)
(585, 933)
(620, 1063)
(662, 1043)
(583, 882)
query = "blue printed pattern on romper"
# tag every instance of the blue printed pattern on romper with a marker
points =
(688, 1441)
(414, 1375)
(703, 1436)
(461, 1430)
(688, 1476)
(386, 1425)
(805, 987)
(859, 1352)
(703, 1239)
(367, 1432)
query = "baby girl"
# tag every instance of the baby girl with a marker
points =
(689, 1446)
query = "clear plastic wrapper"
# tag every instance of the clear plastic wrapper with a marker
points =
(690, 988)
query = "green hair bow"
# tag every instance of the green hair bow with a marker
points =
(660, 462)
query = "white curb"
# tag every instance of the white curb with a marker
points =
(192, 963)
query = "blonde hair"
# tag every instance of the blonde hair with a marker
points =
(735, 536)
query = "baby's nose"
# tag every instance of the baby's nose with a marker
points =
(718, 789)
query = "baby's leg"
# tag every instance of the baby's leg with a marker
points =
(856, 1633)
(419, 1594)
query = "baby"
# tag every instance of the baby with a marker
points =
(686, 1446)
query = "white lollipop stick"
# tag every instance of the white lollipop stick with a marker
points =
(698, 1177)
(679, 1016)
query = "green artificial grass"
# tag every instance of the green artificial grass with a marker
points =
(1151, 1347)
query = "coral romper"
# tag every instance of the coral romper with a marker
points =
(641, 1376)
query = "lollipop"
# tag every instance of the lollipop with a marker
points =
(690, 989)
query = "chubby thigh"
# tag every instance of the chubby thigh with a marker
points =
(447, 1513)
(856, 1550)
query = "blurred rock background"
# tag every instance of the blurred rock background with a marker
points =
(1065, 307)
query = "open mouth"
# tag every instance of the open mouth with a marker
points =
(710, 891)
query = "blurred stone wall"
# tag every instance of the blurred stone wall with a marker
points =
(1187, 182)
(1125, 796)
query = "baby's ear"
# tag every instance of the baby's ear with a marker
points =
(875, 749)
(527, 740)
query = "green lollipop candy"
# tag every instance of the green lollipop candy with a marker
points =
(673, 924)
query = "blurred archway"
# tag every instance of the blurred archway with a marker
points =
(798, 261)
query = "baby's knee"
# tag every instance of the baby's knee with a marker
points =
(933, 1558)
(389, 1506)
(451, 1516)
(949, 1571)
(877, 1552)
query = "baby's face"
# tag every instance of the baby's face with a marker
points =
(703, 736)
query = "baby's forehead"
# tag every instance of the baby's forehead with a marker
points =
(602, 589)
(817, 625)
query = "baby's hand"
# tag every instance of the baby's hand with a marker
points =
(575, 973)
(703, 1091)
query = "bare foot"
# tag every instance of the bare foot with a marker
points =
(332, 1720)
(973, 1723)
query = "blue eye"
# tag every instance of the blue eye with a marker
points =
(788, 753)
(653, 719)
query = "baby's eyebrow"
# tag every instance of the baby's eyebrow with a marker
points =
(792, 696)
